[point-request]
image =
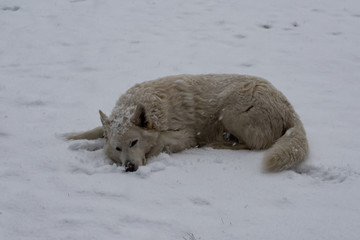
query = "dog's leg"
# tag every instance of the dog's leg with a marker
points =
(226, 140)
(175, 141)
(225, 145)
(257, 128)
(89, 135)
(172, 142)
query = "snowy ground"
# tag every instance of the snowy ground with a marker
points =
(61, 61)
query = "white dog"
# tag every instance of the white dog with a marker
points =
(219, 110)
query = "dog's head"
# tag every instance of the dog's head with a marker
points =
(129, 136)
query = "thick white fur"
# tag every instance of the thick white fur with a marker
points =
(217, 110)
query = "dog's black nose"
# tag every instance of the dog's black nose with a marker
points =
(130, 167)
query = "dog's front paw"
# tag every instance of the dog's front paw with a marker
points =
(88, 145)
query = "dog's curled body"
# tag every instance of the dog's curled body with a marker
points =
(217, 110)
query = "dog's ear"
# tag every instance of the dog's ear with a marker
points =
(141, 118)
(105, 122)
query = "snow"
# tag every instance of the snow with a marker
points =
(62, 61)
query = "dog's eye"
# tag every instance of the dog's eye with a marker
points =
(118, 149)
(133, 143)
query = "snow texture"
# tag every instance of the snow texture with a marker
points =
(61, 61)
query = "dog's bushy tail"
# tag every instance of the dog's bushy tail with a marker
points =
(289, 150)
(89, 135)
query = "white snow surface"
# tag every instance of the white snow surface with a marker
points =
(61, 61)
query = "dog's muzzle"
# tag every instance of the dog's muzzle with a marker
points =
(130, 167)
